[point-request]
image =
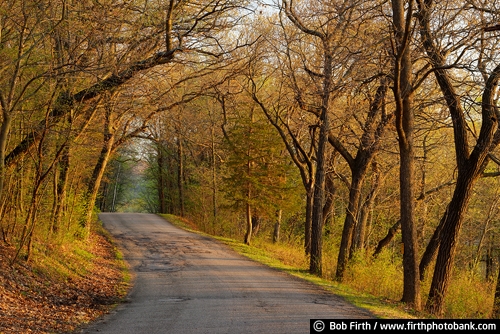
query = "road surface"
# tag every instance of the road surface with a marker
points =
(187, 283)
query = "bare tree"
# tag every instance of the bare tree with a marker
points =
(470, 160)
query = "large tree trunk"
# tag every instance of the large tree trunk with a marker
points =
(315, 265)
(316, 259)
(403, 92)
(448, 238)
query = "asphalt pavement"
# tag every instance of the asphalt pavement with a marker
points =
(188, 283)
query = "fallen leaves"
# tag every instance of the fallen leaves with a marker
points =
(32, 302)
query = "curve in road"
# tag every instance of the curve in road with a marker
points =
(189, 283)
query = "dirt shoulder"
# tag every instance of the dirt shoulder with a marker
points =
(34, 299)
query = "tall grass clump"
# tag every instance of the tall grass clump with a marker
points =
(469, 297)
(286, 253)
(380, 276)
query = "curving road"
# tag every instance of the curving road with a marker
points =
(187, 283)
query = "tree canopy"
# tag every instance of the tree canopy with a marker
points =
(359, 124)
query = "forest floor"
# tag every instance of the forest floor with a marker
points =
(35, 298)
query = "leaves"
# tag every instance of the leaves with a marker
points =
(32, 301)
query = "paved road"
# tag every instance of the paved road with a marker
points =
(187, 283)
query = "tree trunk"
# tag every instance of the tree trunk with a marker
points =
(469, 164)
(255, 224)
(448, 239)
(349, 223)
(60, 186)
(4, 132)
(160, 160)
(95, 181)
(366, 208)
(316, 258)
(328, 208)
(403, 92)
(496, 301)
(214, 175)
(308, 221)
(180, 175)
(99, 168)
(388, 238)
(249, 225)
(370, 144)
(249, 194)
(277, 225)
(411, 289)
(432, 248)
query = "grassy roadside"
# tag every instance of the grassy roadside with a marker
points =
(260, 253)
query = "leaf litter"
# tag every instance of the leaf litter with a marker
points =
(33, 302)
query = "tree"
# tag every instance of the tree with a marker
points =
(22, 78)
(470, 162)
(370, 142)
(325, 33)
(256, 172)
(403, 96)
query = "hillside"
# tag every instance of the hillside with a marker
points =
(57, 292)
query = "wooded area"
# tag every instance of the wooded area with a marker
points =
(368, 127)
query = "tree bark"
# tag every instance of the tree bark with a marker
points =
(180, 175)
(249, 225)
(496, 300)
(366, 209)
(316, 258)
(448, 238)
(160, 160)
(4, 131)
(277, 226)
(61, 181)
(403, 92)
(388, 238)
(350, 222)
(308, 220)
